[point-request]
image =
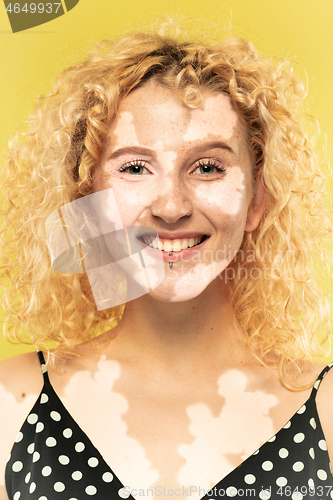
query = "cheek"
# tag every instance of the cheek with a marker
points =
(226, 199)
(132, 200)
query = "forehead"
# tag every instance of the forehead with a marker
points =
(153, 113)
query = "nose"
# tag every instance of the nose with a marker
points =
(172, 203)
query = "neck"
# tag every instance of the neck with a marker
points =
(184, 335)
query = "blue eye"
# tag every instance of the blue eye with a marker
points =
(208, 166)
(137, 167)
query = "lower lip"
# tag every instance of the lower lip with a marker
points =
(181, 255)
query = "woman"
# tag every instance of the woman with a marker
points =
(202, 386)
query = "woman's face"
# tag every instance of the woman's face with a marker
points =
(185, 173)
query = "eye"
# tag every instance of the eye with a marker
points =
(134, 167)
(208, 166)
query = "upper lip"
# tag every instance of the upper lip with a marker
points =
(176, 235)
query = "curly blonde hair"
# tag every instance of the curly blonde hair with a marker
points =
(274, 294)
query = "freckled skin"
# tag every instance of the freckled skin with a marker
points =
(170, 196)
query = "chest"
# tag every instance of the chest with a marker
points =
(156, 437)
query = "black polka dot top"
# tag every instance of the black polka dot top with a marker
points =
(52, 459)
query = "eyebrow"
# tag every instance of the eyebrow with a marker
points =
(150, 152)
(130, 150)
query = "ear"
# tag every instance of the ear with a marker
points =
(258, 203)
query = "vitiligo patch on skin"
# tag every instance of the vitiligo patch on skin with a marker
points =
(126, 128)
(125, 453)
(207, 456)
(199, 124)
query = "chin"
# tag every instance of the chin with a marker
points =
(176, 292)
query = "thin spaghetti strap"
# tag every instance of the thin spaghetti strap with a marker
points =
(319, 379)
(43, 366)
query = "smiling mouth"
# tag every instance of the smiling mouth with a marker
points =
(176, 245)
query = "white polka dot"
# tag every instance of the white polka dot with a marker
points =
(302, 409)
(19, 438)
(79, 447)
(91, 490)
(31, 448)
(59, 486)
(316, 384)
(311, 484)
(93, 462)
(68, 433)
(63, 459)
(313, 423)
(298, 466)
(77, 475)
(272, 439)
(35, 456)
(50, 442)
(283, 452)
(297, 495)
(256, 452)
(32, 418)
(322, 474)
(17, 466)
(331, 493)
(281, 481)
(288, 424)
(32, 487)
(27, 477)
(264, 494)
(44, 398)
(107, 477)
(17, 495)
(267, 465)
(55, 416)
(312, 453)
(299, 437)
(46, 471)
(42, 498)
(231, 492)
(39, 427)
(322, 444)
(249, 478)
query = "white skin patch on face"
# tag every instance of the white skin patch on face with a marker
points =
(128, 455)
(125, 127)
(199, 125)
(204, 455)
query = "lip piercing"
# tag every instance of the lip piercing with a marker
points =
(170, 263)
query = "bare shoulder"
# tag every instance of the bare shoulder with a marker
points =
(324, 401)
(21, 382)
(21, 369)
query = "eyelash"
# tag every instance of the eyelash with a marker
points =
(201, 163)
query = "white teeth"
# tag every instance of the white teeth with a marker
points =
(172, 245)
(168, 246)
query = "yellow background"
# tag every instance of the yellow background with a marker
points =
(30, 60)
